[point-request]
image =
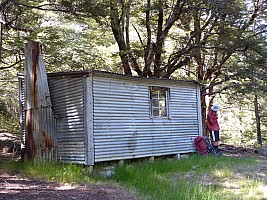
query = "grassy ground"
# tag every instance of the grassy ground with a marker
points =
(194, 177)
(197, 178)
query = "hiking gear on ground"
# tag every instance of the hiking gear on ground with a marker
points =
(204, 146)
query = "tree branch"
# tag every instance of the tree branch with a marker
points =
(1, 68)
(148, 54)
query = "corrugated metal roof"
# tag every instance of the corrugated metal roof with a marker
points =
(86, 73)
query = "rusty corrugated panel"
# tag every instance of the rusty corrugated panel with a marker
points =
(40, 134)
(37, 94)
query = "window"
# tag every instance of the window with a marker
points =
(159, 102)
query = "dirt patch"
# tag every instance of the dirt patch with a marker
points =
(13, 186)
(237, 151)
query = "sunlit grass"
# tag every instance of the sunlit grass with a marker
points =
(251, 189)
(223, 173)
(62, 173)
(195, 177)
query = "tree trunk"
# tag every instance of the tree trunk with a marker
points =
(117, 26)
(1, 39)
(204, 114)
(257, 115)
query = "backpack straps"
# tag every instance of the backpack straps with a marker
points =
(200, 139)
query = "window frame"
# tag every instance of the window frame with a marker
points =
(158, 99)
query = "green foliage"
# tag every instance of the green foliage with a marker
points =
(9, 124)
(80, 45)
(9, 113)
(251, 80)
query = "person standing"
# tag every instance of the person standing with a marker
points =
(214, 127)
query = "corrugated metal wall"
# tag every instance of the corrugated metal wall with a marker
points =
(22, 113)
(104, 117)
(68, 105)
(123, 128)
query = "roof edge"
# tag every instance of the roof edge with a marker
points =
(86, 73)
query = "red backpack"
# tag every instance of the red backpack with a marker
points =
(202, 145)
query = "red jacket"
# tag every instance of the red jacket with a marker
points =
(212, 121)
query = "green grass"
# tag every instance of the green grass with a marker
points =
(192, 178)
(62, 173)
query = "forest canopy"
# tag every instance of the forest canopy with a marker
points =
(219, 43)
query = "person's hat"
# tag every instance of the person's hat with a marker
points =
(215, 107)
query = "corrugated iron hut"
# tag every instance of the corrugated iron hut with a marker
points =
(100, 116)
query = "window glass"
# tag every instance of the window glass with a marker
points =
(155, 112)
(155, 103)
(162, 102)
(154, 94)
(159, 102)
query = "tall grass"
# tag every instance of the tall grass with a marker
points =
(64, 173)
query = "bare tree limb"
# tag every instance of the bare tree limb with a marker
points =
(1, 68)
